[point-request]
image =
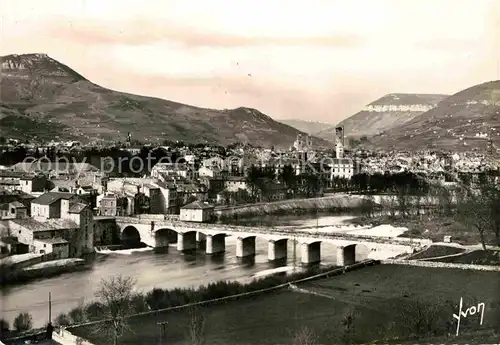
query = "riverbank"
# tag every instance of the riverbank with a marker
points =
(384, 302)
(13, 275)
(333, 203)
(161, 299)
(428, 226)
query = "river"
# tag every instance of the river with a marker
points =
(168, 270)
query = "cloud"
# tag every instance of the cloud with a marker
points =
(143, 32)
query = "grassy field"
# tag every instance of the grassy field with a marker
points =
(478, 257)
(436, 251)
(380, 298)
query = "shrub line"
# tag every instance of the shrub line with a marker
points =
(277, 287)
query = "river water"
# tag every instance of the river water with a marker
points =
(168, 270)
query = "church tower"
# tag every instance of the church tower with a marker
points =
(339, 142)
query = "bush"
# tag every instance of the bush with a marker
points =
(23, 322)
(62, 320)
(4, 328)
(160, 299)
(77, 315)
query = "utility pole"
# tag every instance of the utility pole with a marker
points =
(50, 307)
(294, 254)
(163, 332)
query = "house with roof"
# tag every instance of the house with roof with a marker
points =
(40, 235)
(13, 210)
(55, 211)
(197, 211)
(49, 205)
(343, 168)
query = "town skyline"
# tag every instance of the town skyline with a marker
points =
(243, 56)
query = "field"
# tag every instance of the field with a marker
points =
(384, 301)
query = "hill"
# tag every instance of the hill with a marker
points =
(45, 98)
(309, 127)
(385, 113)
(455, 124)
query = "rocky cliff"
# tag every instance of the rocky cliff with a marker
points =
(468, 120)
(385, 113)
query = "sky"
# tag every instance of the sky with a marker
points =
(316, 60)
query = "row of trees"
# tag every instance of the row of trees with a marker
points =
(476, 208)
(117, 299)
(389, 182)
(260, 180)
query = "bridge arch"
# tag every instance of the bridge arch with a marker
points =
(351, 253)
(245, 245)
(310, 252)
(277, 249)
(130, 237)
(186, 241)
(166, 234)
(215, 243)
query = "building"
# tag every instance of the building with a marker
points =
(178, 169)
(49, 205)
(13, 210)
(37, 235)
(236, 182)
(196, 211)
(57, 215)
(57, 246)
(343, 168)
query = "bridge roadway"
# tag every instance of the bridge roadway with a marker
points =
(155, 233)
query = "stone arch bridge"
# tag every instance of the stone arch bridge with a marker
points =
(187, 235)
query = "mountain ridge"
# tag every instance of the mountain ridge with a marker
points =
(37, 89)
(309, 127)
(387, 112)
(464, 121)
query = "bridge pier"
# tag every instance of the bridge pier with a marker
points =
(161, 242)
(215, 244)
(245, 246)
(186, 241)
(200, 237)
(346, 255)
(310, 253)
(277, 250)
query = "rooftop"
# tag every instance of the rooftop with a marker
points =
(54, 240)
(47, 225)
(77, 207)
(51, 197)
(197, 205)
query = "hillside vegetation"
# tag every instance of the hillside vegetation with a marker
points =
(385, 113)
(453, 124)
(39, 91)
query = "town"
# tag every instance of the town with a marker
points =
(209, 173)
(59, 210)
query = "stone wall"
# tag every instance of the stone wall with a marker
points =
(440, 265)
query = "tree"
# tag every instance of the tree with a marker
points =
(474, 212)
(417, 318)
(253, 177)
(304, 336)
(480, 210)
(196, 326)
(348, 326)
(287, 176)
(23, 322)
(115, 296)
(63, 320)
(403, 201)
(4, 328)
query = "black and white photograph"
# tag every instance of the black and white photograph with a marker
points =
(236, 172)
